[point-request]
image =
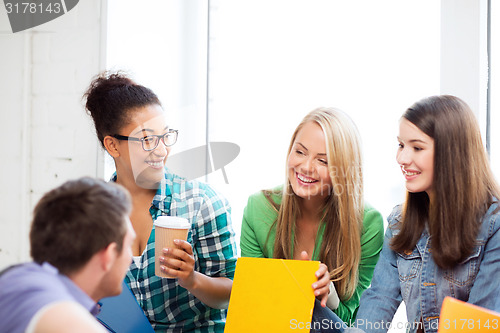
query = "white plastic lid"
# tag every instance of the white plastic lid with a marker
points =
(172, 222)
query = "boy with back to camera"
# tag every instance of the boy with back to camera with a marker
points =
(81, 240)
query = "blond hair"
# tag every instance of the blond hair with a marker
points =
(342, 210)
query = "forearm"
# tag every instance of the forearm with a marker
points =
(212, 291)
(379, 303)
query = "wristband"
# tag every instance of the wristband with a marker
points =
(333, 299)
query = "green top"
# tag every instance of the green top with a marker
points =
(259, 216)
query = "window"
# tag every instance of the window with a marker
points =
(495, 88)
(247, 72)
(271, 62)
(162, 44)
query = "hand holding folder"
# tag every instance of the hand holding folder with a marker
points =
(271, 295)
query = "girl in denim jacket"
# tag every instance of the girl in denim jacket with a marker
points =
(444, 239)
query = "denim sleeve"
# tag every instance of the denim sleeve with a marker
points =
(482, 292)
(379, 303)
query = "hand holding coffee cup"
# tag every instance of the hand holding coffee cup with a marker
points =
(167, 229)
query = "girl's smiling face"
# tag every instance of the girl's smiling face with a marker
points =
(145, 166)
(308, 164)
(416, 157)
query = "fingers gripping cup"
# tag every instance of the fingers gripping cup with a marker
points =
(168, 228)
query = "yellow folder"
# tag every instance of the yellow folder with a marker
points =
(458, 316)
(271, 295)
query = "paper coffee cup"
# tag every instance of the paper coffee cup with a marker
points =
(168, 228)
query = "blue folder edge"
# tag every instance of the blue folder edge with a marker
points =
(122, 314)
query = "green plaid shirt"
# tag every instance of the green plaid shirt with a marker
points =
(168, 306)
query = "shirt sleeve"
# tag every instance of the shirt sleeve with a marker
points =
(372, 239)
(249, 244)
(24, 292)
(482, 292)
(380, 302)
(216, 245)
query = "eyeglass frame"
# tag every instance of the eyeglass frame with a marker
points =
(160, 138)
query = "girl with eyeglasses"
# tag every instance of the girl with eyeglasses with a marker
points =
(132, 126)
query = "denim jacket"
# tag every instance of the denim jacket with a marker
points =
(414, 278)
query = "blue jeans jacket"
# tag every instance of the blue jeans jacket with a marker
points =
(414, 278)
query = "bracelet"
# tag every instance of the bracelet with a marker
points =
(333, 300)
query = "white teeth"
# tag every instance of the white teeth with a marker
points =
(408, 173)
(155, 164)
(305, 180)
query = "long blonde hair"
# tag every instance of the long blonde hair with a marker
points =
(343, 209)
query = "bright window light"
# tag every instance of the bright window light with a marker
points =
(263, 65)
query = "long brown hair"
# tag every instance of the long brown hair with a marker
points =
(342, 210)
(463, 184)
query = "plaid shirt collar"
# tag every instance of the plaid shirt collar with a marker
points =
(163, 197)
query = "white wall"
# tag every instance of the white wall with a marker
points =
(464, 63)
(46, 137)
(165, 50)
(495, 89)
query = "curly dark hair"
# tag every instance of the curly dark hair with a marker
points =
(110, 98)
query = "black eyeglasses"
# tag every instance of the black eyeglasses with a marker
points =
(150, 142)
